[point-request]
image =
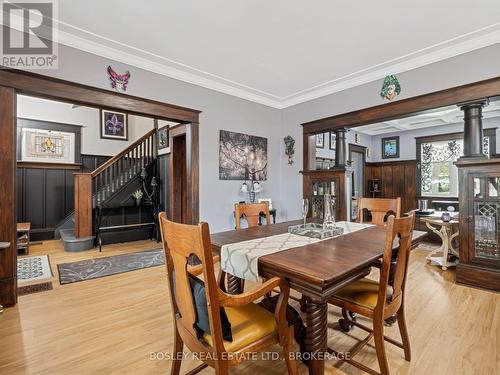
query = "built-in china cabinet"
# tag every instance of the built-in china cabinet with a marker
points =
(336, 182)
(479, 198)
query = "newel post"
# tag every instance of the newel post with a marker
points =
(83, 205)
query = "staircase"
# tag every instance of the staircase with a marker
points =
(100, 187)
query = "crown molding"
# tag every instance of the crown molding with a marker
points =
(86, 41)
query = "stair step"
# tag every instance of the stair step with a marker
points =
(73, 244)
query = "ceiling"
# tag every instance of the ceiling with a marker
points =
(281, 52)
(442, 116)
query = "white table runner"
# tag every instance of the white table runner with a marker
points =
(240, 259)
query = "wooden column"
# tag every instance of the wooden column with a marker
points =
(340, 147)
(83, 205)
(473, 129)
(8, 255)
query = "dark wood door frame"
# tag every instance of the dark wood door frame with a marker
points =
(14, 82)
(489, 88)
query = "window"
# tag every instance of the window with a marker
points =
(437, 154)
(439, 176)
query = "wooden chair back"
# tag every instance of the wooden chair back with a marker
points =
(251, 213)
(180, 242)
(402, 228)
(379, 208)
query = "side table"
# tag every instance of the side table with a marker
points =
(447, 234)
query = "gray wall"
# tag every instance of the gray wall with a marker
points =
(222, 111)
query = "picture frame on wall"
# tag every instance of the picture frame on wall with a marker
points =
(163, 139)
(390, 147)
(114, 125)
(320, 140)
(332, 141)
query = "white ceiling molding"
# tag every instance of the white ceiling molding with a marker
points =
(92, 43)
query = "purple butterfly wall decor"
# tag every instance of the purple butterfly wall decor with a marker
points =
(118, 82)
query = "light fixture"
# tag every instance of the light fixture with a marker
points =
(153, 184)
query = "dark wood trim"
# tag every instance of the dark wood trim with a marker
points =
(83, 205)
(30, 164)
(184, 173)
(8, 256)
(407, 107)
(32, 84)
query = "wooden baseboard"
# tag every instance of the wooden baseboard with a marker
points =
(478, 277)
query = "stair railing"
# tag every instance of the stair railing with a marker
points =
(95, 187)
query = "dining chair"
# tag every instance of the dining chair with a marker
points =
(379, 208)
(218, 327)
(378, 300)
(251, 212)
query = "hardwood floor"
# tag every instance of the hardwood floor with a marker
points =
(112, 325)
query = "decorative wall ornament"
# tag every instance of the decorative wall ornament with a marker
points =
(320, 140)
(242, 157)
(118, 82)
(289, 148)
(390, 147)
(390, 88)
(47, 146)
(114, 125)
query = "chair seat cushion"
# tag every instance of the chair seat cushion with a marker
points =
(200, 302)
(363, 292)
(249, 323)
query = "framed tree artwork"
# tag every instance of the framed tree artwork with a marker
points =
(390, 147)
(114, 125)
(320, 140)
(242, 156)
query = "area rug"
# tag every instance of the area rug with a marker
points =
(33, 274)
(99, 267)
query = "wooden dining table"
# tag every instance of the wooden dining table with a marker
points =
(316, 270)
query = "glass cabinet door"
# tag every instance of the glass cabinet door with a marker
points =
(486, 211)
(319, 189)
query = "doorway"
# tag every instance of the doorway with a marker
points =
(357, 156)
(14, 82)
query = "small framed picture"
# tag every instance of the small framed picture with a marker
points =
(390, 147)
(332, 141)
(357, 138)
(320, 140)
(163, 139)
(114, 125)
